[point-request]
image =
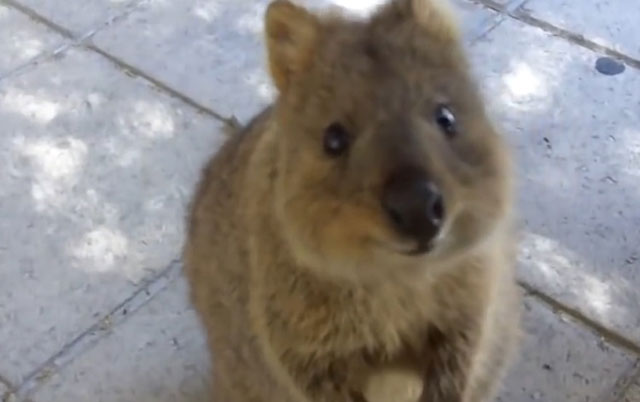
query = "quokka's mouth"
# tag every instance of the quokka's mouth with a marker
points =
(423, 247)
(431, 245)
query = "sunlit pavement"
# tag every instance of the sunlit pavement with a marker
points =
(108, 109)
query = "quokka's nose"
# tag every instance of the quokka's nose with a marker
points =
(414, 204)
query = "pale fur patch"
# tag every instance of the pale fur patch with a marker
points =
(394, 384)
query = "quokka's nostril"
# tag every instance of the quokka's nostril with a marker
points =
(436, 210)
(396, 217)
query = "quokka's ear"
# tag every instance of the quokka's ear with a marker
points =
(435, 17)
(438, 17)
(291, 35)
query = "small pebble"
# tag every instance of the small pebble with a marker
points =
(609, 66)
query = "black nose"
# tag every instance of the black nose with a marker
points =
(414, 204)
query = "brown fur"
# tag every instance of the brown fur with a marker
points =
(306, 291)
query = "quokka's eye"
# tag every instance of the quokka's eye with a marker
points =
(336, 140)
(446, 120)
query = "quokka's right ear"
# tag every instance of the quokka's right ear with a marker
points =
(291, 35)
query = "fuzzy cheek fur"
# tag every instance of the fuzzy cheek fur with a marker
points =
(330, 232)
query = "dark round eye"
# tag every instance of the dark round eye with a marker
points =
(446, 120)
(336, 140)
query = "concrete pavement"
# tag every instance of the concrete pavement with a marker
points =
(110, 107)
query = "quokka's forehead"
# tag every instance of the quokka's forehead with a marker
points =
(391, 79)
(362, 53)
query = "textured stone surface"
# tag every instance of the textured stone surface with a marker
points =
(22, 39)
(473, 18)
(613, 23)
(561, 361)
(576, 133)
(213, 51)
(80, 16)
(158, 355)
(97, 168)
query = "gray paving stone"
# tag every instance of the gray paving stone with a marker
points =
(79, 16)
(158, 355)
(22, 39)
(501, 2)
(577, 140)
(474, 19)
(613, 23)
(212, 51)
(561, 361)
(97, 168)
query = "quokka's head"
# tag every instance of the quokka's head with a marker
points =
(386, 157)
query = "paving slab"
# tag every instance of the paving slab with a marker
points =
(474, 19)
(612, 23)
(560, 360)
(22, 39)
(213, 51)
(158, 355)
(97, 168)
(576, 134)
(79, 16)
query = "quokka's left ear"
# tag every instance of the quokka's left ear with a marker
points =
(291, 35)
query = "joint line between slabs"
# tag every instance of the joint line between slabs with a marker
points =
(515, 10)
(34, 15)
(73, 40)
(135, 71)
(575, 38)
(90, 337)
(610, 336)
(484, 27)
